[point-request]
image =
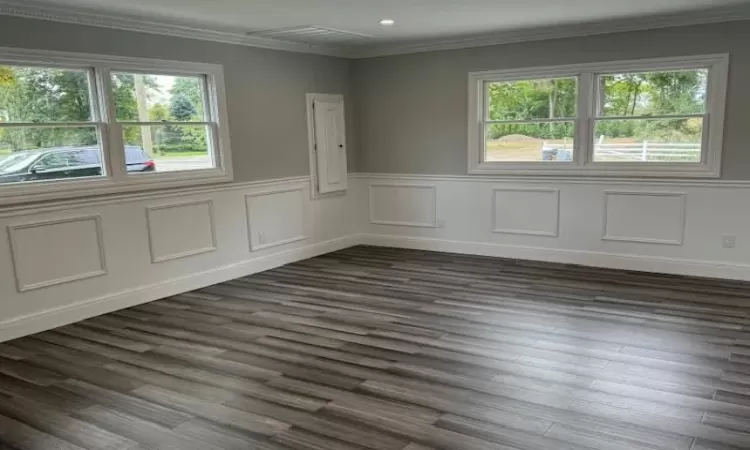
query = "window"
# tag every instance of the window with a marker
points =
(650, 116)
(636, 118)
(168, 121)
(544, 109)
(74, 124)
(44, 111)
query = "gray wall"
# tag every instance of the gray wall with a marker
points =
(411, 110)
(408, 111)
(265, 88)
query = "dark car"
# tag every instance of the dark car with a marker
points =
(66, 162)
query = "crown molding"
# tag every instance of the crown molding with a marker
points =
(705, 16)
(31, 9)
(80, 16)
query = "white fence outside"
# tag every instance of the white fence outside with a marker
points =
(644, 151)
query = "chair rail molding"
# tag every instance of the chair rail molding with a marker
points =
(441, 213)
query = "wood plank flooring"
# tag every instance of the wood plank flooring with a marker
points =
(387, 349)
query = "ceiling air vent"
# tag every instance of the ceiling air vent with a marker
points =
(312, 35)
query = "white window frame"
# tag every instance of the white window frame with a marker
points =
(115, 178)
(583, 163)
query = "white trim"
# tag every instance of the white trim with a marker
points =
(635, 181)
(256, 248)
(583, 163)
(116, 180)
(495, 229)
(433, 188)
(62, 205)
(30, 9)
(55, 317)
(17, 210)
(199, 251)
(542, 33)
(248, 214)
(12, 229)
(310, 100)
(683, 217)
(622, 261)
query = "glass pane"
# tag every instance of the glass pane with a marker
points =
(530, 142)
(38, 154)
(648, 140)
(167, 148)
(153, 98)
(653, 93)
(532, 99)
(35, 94)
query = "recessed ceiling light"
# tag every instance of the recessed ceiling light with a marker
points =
(387, 22)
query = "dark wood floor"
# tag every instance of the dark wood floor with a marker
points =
(381, 349)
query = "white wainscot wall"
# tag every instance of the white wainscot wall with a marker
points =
(64, 263)
(668, 227)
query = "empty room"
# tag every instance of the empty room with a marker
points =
(374, 225)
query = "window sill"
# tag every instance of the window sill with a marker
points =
(35, 192)
(553, 169)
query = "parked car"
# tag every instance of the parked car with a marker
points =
(66, 162)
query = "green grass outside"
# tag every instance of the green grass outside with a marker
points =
(521, 150)
(530, 149)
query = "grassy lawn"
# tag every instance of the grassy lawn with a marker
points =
(523, 149)
(180, 155)
(518, 150)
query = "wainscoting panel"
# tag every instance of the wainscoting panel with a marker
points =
(518, 218)
(60, 247)
(180, 230)
(403, 205)
(647, 217)
(275, 218)
(58, 251)
(531, 211)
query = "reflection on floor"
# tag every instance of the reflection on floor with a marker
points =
(385, 349)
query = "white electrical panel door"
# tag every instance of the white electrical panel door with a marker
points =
(329, 146)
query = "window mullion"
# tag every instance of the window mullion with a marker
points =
(585, 121)
(114, 149)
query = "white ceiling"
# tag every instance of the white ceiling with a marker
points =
(350, 28)
(415, 19)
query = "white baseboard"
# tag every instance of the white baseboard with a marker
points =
(26, 325)
(640, 263)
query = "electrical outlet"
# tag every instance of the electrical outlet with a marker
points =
(441, 223)
(261, 237)
(729, 241)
